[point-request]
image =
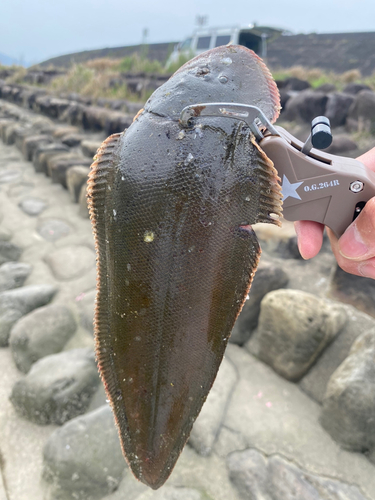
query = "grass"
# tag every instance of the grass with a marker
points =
(317, 77)
(101, 77)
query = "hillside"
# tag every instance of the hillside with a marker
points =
(338, 52)
(158, 51)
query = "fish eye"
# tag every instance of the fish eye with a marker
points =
(223, 79)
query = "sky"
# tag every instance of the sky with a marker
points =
(33, 31)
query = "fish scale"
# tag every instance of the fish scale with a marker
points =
(172, 210)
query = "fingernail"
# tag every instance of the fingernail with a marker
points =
(351, 245)
(367, 270)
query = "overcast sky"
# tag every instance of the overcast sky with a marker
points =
(40, 29)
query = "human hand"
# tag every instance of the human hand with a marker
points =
(355, 250)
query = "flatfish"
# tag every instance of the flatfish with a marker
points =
(172, 209)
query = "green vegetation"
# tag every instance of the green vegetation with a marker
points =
(102, 77)
(138, 64)
(317, 77)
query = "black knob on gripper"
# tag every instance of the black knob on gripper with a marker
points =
(321, 135)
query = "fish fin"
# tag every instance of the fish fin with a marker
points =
(270, 196)
(96, 193)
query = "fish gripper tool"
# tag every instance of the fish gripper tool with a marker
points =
(316, 185)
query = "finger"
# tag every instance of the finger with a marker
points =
(368, 159)
(364, 268)
(358, 242)
(310, 237)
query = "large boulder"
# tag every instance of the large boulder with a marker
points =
(83, 459)
(361, 115)
(293, 329)
(267, 278)
(257, 477)
(305, 106)
(57, 388)
(13, 275)
(9, 252)
(43, 153)
(16, 303)
(337, 108)
(40, 333)
(76, 177)
(349, 403)
(355, 290)
(207, 426)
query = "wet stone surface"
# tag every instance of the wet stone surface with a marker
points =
(53, 229)
(32, 206)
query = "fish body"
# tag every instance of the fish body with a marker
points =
(172, 209)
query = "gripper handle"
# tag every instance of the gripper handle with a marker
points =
(318, 186)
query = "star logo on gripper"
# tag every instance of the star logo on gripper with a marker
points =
(290, 190)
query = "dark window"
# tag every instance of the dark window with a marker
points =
(250, 41)
(222, 40)
(204, 42)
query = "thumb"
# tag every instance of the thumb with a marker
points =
(358, 241)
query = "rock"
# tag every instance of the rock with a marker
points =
(326, 88)
(13, 275)
(293, 329)
(355, 290)
(5, 234)
(296, 84)
(207, 426)
(94, 118)
(349, 403)
(355, 88)
(72, 140)
(76, 177)
(275, 417)
(89, 148)
(74, 114)
(9, 134)
(31, 144)
(117, 122)
(65, 130)
(83, 208)
(9, 176)
(337, 108)
(40, 333)
(9, 252)
(305, 106)
(315, 382)
(284, 98)
(83, 458)
(42, 153)
(70, 262)
(274, 478)
(361, 115)
(58, 387)
(32, 206)
(16, 303)
(86, 305)
(58, 166)
(53, 229)
(341, 144)
(267, 278)
(288, 248)
(172, 493)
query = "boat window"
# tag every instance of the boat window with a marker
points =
(203, 42)
(222, 40)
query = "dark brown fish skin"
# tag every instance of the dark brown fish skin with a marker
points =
(171, 210)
